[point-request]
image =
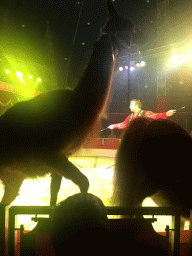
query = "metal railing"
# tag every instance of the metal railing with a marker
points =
(27, 210)
(3, 229)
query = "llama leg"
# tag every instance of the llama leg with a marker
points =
(12, 183)
(54, 188)
(68, 170)
(76, 176)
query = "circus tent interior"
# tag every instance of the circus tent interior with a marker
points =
(96, 159)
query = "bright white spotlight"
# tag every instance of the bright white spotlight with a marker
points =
(126, 67)
(142, 64)
(181, 61)
(19, 75)
(30, 77)
(38, 79)
(137, 65)
(120, 68)
(7, 71)
(175, 57)
(132, 68)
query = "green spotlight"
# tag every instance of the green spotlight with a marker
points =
(38, 79)
(19, 75)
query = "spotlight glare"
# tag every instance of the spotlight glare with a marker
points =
(38, 79)
(19, 75)
(30, 77)
(137, 65)
(132, 68)
(182, 61)
(126, 67)
(174, 57)
(142, 64)
(120, 68)
(7, 71)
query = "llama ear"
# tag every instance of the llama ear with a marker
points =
(111, 9)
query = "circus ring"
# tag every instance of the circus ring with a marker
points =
(96, 159)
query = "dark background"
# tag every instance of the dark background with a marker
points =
(53, 40)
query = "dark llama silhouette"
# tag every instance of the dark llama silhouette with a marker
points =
(38, 135)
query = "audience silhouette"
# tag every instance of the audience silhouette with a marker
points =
(153, 159)
(80, 225)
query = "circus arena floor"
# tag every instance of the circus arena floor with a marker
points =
(98, 165)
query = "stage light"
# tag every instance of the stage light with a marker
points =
(181, 82)
(142, 64)
(132, 68)
(181, 61)
(120, 68)
(132, 63)
(7, 71)
(38, 79)
(137, 65)
(19, 75)
(30, 77)
(126, 67)
(174, 57)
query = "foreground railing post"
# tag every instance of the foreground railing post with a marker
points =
(4, 210)
(22, 210)
(175, 235)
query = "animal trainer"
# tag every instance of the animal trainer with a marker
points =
(135, 107)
